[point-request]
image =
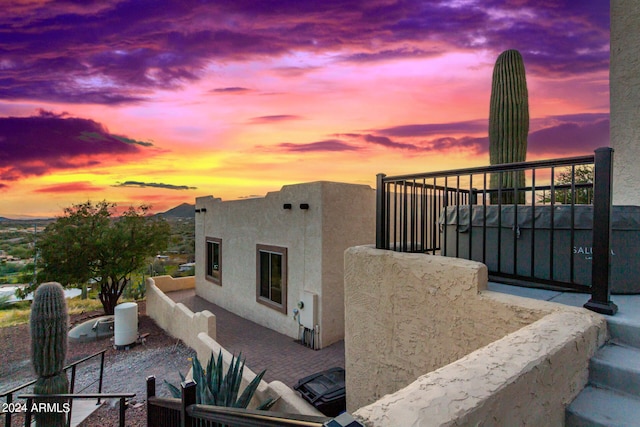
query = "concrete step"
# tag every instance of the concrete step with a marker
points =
(616, 367)
(599, 407)
(624, 331)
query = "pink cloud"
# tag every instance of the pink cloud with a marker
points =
(71, 187)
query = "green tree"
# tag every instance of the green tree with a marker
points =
(583, 194)
(89, 243)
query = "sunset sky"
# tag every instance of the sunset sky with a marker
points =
(160, 102)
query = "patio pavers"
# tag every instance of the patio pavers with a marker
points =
(284, 359)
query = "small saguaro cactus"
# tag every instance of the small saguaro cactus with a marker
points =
(49, 323)
(508, 123)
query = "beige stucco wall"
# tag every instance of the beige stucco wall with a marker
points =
(624, 80)
(339, 215)
(197, 330)
(170, 284)
(410, 314)
(177, 319)
(241, 224)
(348, 219)
(524, 379)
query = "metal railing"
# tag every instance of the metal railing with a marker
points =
(184, 412)
(57, 398)
(8, 395)
(519, 232)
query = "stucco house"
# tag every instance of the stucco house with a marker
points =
(278, 260)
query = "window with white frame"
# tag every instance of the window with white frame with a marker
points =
(271, 277)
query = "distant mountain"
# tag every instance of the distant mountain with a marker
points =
(25, 219)
(184, 210)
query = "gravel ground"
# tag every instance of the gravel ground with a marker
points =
(125, 370)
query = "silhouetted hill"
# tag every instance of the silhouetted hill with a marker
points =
(184, 210)
(25, 220)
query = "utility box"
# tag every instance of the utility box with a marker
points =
(539, 239)
(325, 390)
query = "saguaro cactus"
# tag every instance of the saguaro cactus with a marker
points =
(49, 321)
(508, 123)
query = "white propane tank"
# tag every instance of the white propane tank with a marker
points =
(126, 323)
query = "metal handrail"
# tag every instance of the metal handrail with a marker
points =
(9, 393)
(253, 418)
(408, 207)
(505, 167)
(77, 396)
(169, 411)
(63, 396)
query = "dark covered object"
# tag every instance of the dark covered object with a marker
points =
(325, 390)
(543, 241)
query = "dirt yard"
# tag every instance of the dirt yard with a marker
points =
(125, 370)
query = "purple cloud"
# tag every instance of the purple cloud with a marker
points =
(112, 53)
(330, 145)
(231, 90)
(139, 184)
(386, 142)
(391, 54)
(557, 136)
(39, 144)
(427, 129)
(274, 118)
(466, 143)
(569, 138)
(578, 118)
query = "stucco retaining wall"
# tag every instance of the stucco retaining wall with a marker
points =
(170, 284)
(484, 354)
(526, 378)
(177, 319)
(198, 330)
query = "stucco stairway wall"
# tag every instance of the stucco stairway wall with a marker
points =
(198, 331)
(408, 315)
(177, 319)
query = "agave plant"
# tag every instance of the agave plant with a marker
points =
(217, 388)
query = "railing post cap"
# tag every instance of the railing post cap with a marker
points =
(601, 149)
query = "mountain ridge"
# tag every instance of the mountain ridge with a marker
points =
(184, 210)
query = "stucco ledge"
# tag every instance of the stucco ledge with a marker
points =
(526, 378)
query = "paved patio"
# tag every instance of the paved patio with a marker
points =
(287, 361)
(284, 359)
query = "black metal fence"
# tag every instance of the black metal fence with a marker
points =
(525, 234)
(54, 402)
(184, 412)
(9, 394)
